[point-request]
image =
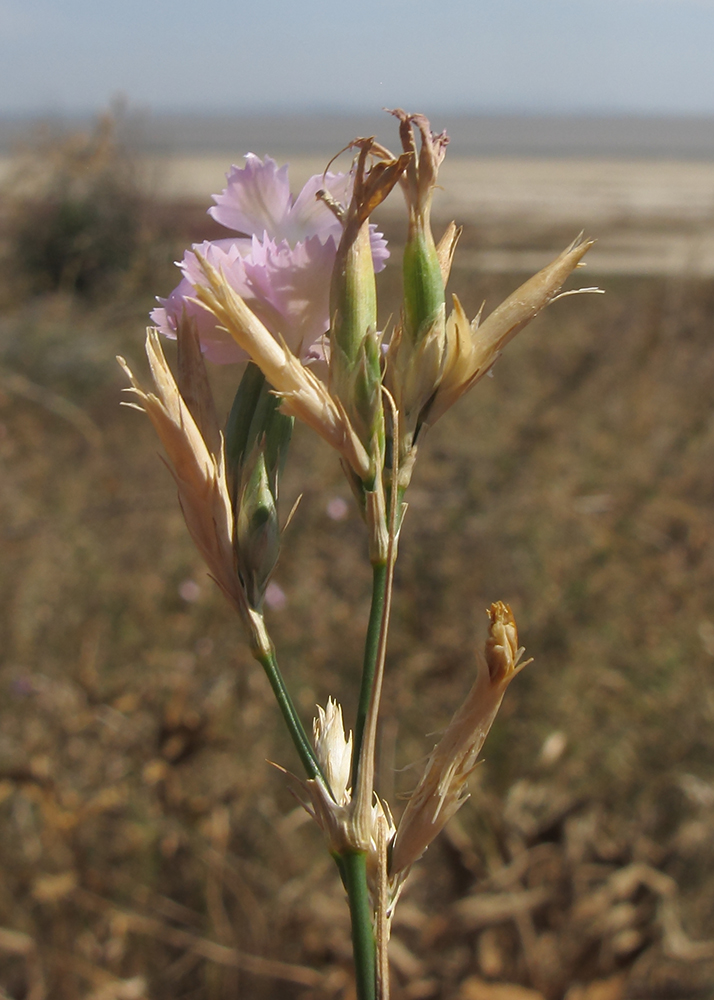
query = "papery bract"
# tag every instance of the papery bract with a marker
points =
(280, 264)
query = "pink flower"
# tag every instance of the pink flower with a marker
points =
(280, 262)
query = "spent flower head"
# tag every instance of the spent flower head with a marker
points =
(417, 348)
(353, 294)
(197, 462)
(355, 343)
(473, 348)
(424, 302)
(348, 824)
(334, 750)
(442, 789)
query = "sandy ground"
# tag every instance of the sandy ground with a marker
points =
(652, 217)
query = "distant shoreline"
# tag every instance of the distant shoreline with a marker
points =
(548, 136)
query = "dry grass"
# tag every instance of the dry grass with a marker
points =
(148, 849)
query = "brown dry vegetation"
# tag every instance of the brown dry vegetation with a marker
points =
(148, 849)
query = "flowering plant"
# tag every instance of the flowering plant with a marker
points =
(293, 294)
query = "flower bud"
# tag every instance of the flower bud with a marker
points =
(255, 417)
(257, 440)
(257, 529)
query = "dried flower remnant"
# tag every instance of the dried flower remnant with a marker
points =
(423, 277)
(333, 750)
(348, 824)
(433, 360)
(279, 261)
(199, 471)
(417, 348)
(442, 789)
(473, 348)
(355, 343)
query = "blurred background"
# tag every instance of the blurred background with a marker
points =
(147, 847)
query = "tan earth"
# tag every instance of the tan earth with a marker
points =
(651, 217)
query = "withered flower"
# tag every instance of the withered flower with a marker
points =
(196, 460)
(472, 348)
(442, 789)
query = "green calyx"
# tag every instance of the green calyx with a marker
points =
(255, 416)
(424, 296)
(257, 529)
(353, 298)
(355, 369)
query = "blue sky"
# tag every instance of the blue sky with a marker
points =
(641, 56)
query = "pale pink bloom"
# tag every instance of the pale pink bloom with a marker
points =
(280, 260)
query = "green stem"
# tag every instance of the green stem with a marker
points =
(371, 652)
(353, 866)
(292, 720)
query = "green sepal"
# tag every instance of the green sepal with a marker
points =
(366, 410)
(424, 295)
(238, 425)
(255, 417)
(353, 302)
(257, 441)
(278, 434)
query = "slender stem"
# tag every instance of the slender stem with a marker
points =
(377, 630)
(269, 663)
(371, 653)
(363, 791)
(353, 866)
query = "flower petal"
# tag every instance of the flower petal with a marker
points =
(217, 345)
(289, 289)
(256, 199)
(380, 253)
(310, 216)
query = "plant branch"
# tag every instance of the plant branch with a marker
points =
(269, 663)
(369, 665)
(364, 751)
